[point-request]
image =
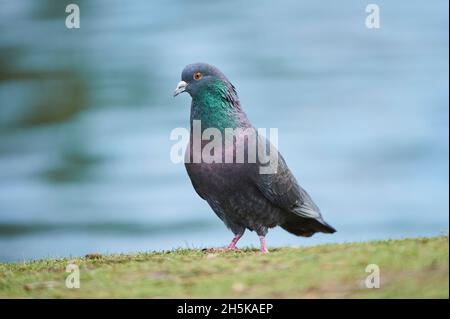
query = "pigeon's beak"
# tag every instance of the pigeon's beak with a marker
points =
(181, 87)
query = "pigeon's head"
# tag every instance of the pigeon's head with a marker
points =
(198, 76)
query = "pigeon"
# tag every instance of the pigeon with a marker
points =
(238, 193)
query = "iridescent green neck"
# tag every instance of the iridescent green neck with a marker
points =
(214, 108)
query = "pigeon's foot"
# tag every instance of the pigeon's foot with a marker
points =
(232, 245)
(264, 249)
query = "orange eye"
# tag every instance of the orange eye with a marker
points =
(197, 76)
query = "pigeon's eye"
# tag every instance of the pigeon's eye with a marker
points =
(197, 76)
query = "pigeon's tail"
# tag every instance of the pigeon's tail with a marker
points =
(306, 227)
(326, 228)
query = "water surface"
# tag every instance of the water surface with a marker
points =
(85, 118)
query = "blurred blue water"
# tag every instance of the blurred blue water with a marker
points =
(85, 118)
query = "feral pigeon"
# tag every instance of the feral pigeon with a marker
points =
(240, 194)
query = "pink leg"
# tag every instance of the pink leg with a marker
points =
(234, 241)
(264, 249)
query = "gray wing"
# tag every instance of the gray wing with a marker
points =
(282, 189)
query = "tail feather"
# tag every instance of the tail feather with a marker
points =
(306, 226)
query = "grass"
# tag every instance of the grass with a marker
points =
(409, 268)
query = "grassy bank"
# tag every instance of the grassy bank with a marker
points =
(408, 268)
